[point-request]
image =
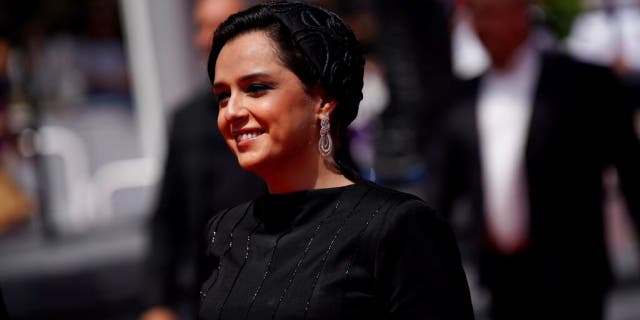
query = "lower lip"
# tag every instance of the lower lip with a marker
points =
(245, 143)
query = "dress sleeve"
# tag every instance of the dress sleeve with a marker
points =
(418, 266)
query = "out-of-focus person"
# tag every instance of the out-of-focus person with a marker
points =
(15, 203)
(414, 48)
(527, 143)
(3, 308)
(608, 33)
(201, 177)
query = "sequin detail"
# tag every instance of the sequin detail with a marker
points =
(266, 273)
(244, 262)
(203, 293)
(328, 251)
(361, 234)
(306, 250)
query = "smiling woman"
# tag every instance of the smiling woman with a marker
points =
(267, 116)
(323, 244)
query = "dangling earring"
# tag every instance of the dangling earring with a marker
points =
(325, 145)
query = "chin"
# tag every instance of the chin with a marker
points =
(249, 163)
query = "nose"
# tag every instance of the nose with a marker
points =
(235, 110)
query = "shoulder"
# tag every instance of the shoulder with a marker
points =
(597, 91)
(399, 208)
(416, 263)
(224, 220)
(375, 190)
(563, 64)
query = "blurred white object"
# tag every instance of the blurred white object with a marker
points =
(64, 143)
(88, 198)
(469, 58)
(375, 96)
(601, 37)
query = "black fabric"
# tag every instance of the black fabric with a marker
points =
(516, 297)
(354, 252)
(580, 125)
(201, 177)
(330, 47)
(3, 308)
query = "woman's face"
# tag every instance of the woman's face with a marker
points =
(266, 116)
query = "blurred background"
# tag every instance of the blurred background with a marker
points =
(87, 88)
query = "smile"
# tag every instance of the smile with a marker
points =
(247, 136)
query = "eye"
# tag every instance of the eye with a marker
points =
(222, 97)
(256, 89)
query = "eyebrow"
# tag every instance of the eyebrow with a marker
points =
(247, 77)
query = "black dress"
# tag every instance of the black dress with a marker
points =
(201, 177)
(355, 252)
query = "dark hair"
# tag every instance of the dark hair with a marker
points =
(317, 46)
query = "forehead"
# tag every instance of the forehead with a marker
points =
(247, 52)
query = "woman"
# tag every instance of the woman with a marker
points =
(322, 244)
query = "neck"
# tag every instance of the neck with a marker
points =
(504, 61)
(320, 175)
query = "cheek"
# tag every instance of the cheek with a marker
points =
(223, 126)
(290, 128)
(221, 122)
(304, 131)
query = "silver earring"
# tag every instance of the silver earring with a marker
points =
(325, 145)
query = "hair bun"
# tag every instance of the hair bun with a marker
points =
(330, 46)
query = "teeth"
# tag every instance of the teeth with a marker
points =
(246, 136)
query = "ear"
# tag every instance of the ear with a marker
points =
(327, 105)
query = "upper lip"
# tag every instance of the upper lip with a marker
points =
(237, 132)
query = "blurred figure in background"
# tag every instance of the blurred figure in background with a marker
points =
(363, 132)
(608, 33)
(414, 48)
(527, 143)
(15, 203)
(201, 177)
(3, 308)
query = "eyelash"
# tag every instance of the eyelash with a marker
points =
(222, 96)
(257, 88)
(254, 89)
